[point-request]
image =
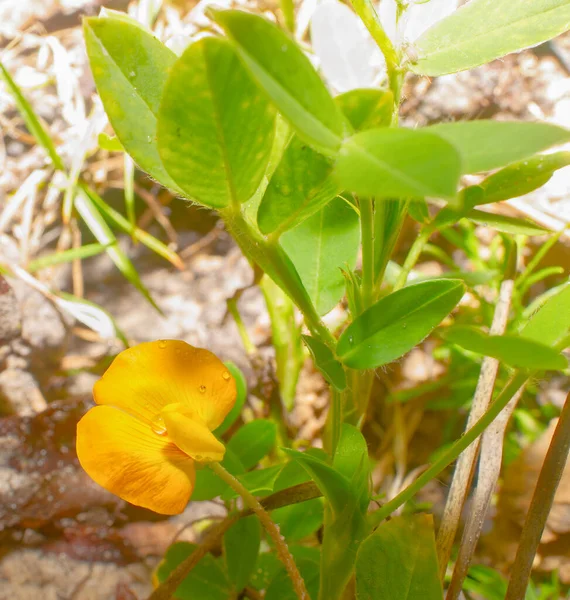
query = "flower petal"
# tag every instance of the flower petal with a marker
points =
(145, 378)
(193, 437)
(123, 455)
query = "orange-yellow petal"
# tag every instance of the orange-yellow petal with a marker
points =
(193, 437)
(123, 455)
(145, 378)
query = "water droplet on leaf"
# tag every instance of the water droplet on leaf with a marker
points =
(202, 389)
(226, 375)
(162, 344)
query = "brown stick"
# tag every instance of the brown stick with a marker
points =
(541, 503)
(465, 464)
(292, 495)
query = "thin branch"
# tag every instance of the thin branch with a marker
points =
(487, 477)
(292, 495)
(541, 503)
(465, 465)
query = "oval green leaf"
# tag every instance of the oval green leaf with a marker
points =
(483, 30)
(485, 144)
(320, 246)
(326, 363)
(241, 547)
(398, 162)
(130, 67)
(215, 128)
(399, 561)
(286, 75)
(300, 186)
(397, 323)
(253, 441)
(506, 224)
(367, 108)
(513, 350)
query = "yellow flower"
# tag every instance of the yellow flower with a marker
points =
(158, 405)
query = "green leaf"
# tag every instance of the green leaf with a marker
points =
(506, 224)
(485, 144)
(399, 561)
(397, 323)
(130, 67)
(326, 363)
(215, 128)
(241, 547)
(30, 118)
(294, 474)
(103, 234)
(351, 460)
(301, 185)
(483, 30)
(367, 108)
(235, 412)
(286, 75)
(109, 143)
(319, 247)
(137, 233)
(208, 485)
(253, 441)
(521, 178)
(334, 486)
(389, 217)
(550, 324)
(259, 482)
(208, 580)
(398, 162)
(281, 587)
(65, 256)
(418, 210)
(298, 521)
(510, 349)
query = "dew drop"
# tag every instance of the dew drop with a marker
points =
(226, 375)
(404, 325)
(132, 74)
(202, 389)
(158, 425)
(198, 457)
(162, 344)
(351, 340)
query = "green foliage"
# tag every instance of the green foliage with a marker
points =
(241, 547)
(484, 30)
(286, 75)
(485, 145)
(397, 323)
(253, 441)
(326, 363)
(241, 397)
(512, 350)
(319, 247)
(399, 562)
(215, 129)
(367, 108)
(130, 67)
(208, 580)
(398, 162)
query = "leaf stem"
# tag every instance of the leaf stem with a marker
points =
(517, 380)
(412, 258)
(367, 240)
(282, 549)
(540, 505)
(366, 11)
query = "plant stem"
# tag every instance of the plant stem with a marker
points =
(288, 10)
(366, 11)
(282, 549)
(273, 261)
(541, 503)
(367, 237)
(517, 380)
(463, 474)
(412, 258)
(286, 497)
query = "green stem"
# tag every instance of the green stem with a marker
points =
(517, 380)
(282, 549)
(366, 11)
(412, 258)
(367, 235)
(288, 10)
(274, 262)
